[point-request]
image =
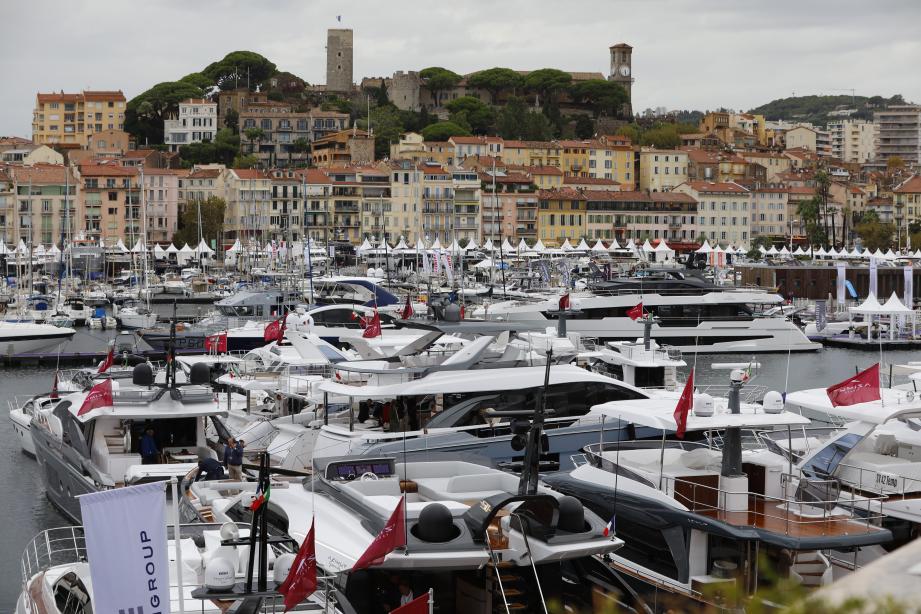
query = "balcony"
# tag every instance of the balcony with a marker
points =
(350, 207)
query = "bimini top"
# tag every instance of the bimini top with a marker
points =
(151, 404)
(659, 414)
(894, 404)
(448, 382)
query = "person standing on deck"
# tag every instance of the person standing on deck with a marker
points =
(150, 454)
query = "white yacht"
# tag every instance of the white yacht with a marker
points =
(472, 536)
(25, 337)
(56, 573)
(101, 448)
(689, 314)
(696, 519)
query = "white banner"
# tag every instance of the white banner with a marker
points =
(908, 294)
(873, 271)
(449, 268)
(842, 276)
(125, 532)
(426, 267)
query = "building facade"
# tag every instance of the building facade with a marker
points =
(161, 204)
(723, 211)
(339, 49)
(69, 119)
(853, 140)
(899, 133)
(662, 169)
(110, 203)
(34, 207)
(195, 123)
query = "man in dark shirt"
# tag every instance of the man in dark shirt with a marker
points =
(233, 458)
(209, 469)
(150, 454)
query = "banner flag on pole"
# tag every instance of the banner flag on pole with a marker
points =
(125, 531)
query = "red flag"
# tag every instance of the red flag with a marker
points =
(407, 312)
(419, 605)
(861, 388)
(302, 578)
(99, 395)
(216, 343)
(685, 403)
(636, 313)
(54, 387)
(108, 362)
(373, 328)
(391, 537)
(463, 311)
(564, 302)
(273, 330)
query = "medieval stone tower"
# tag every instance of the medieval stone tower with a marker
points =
(339, 60)
(622, 69)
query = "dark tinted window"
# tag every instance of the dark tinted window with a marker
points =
(825, 462)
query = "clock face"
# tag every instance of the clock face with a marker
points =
(625, 71)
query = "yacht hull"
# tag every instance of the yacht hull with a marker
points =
(12, 344)
(21, 425)
(63, 482)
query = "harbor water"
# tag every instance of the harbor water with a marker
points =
(26, 510)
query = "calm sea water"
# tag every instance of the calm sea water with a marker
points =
(26, 511)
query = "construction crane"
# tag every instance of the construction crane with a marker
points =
(847, 89)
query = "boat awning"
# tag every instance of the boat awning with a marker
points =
(895, 404)
(659, 414)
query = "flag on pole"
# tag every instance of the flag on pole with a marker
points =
(391, 537)
(262, 496)
(125, 533)
(216, 342)
(302, 577)
(685, 403)
(54, 387)
(274, 330)
(861, 388)
(109, 360)
(564, 302)
(609, 528)
(420, 605)
(635, 313)
(407, 311)
(99, 395)
(373, 326)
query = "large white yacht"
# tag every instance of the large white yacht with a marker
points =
(23, 337)
(688, 313)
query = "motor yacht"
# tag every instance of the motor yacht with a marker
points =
(705, 525)
(24, 337)
(100, 448)
(688, 313)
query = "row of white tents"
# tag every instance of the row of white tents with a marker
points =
(522, 248)
(139, 248)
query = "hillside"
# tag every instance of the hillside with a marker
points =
(815, 109)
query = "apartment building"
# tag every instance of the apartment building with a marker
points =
(662, 169)
(853, 140)
(8, 232)
(196, 122)
(110, 202)
(32, 204)
(723, 211)
(560, 216)
(406, 198)
(907, 202)
(248, 196)
(69, 119)
(769, 214)
(161, 203)
(899, 133)
(466, 187)
(511, 211)
(437, 189)
(640, 215)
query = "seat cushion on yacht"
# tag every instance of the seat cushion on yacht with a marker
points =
(483, 482)
(375, 487)
(700, 458)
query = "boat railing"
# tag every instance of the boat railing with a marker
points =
(814, 507)
(892, 484)
(56, 546)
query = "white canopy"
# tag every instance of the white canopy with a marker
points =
(38, 250)
(138, 247)
(719, 250)
(784, 251)
(172, 249)
(488, 246)
(539, 247)
(54, 250)
(3, 248)
(186, 249)
(821, 253)
(233, 249)
(854, 253)
(658, 415)
(120, 246)
(879, 254)
(160, 253)
(567, 246)
(401, 245)
(631, 245)
(365, 246)
(471, 244)
(647, 246)
(762, 250)
(583, 246)
(870, 306)
(455, 247)
(598, 246)
(613, 246)
(420, 246)
(203, 248)
(704, 248)
(663, 247)
(523, 246)
(799, 251)
(894, 306)
(890, 255)
(507, 247)
(918, 253)
(436, 244)
(772, 251)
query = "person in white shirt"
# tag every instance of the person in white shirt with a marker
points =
(406, 593)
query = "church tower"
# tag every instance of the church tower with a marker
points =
(622, 70)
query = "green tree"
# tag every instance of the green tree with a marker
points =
(511, 119)
(247, 161)
(198, 80)
(630, 130)
(873, 233)
(604, 97)
(895, 163)
(232, 120)
(442, 131)
(537, 127)
(585, 127)
(810, 213)
(547, 83)
(239, 67)
(144, 114)
(438, 79)
(254, 135)
(387, 124)
(479, 116)
(663, 136)
(337, 104)
(212, 221)
(822, 190)
(495, 81)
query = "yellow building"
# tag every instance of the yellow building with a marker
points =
(613, 162)
(560, 216)
(532, 153)
(60, 118)
(662, 169)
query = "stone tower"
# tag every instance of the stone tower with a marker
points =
(339, 60)
(622, 69)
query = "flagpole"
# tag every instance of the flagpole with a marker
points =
(177, 546)
(431, 601)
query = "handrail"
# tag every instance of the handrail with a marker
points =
(522, 525)
(876, 473)
(495, 566)
(56, 546)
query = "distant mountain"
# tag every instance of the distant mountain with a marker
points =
(816, 109)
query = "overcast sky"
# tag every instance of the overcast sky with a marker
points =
(687, 54)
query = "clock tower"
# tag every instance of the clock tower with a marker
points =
(622, 70)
